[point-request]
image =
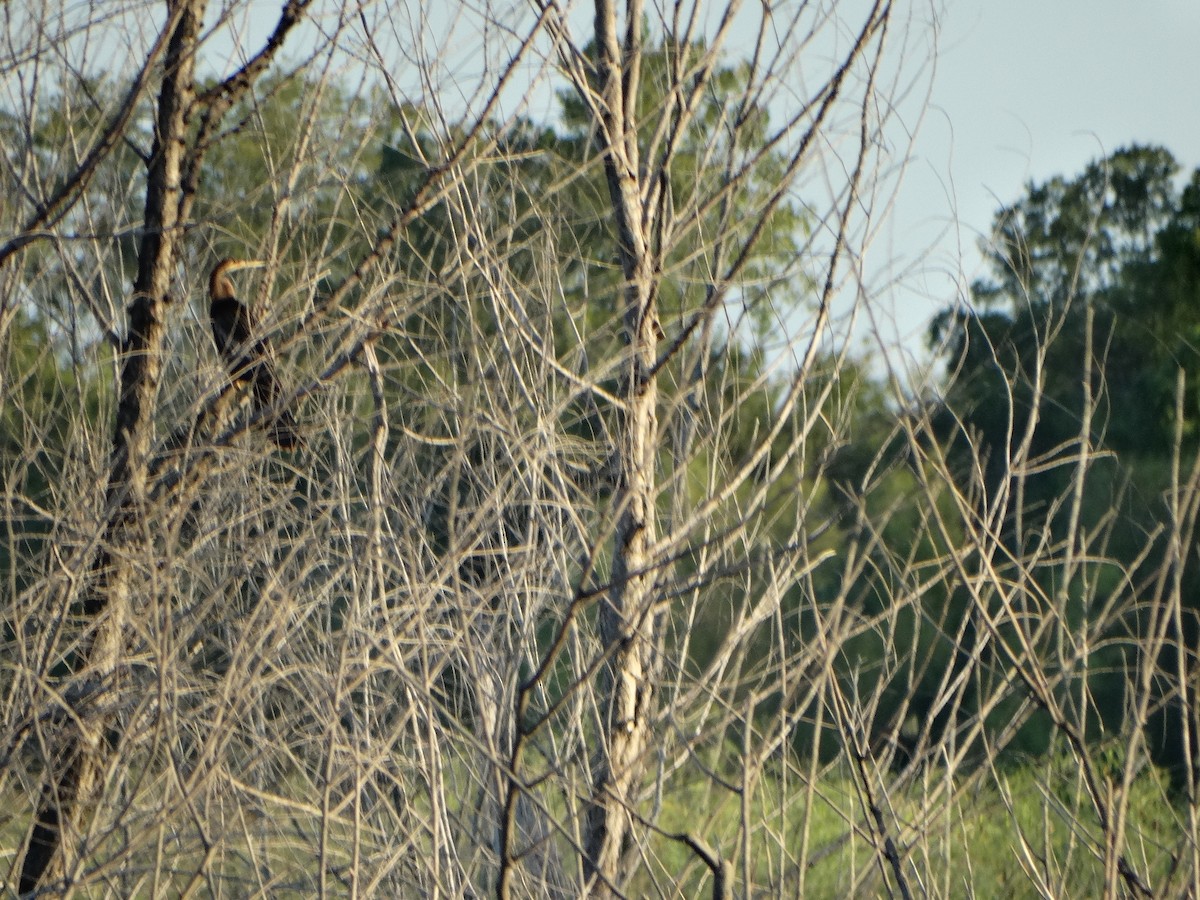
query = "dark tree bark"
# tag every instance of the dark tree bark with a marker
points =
(74, 778)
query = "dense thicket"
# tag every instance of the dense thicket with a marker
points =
(603, 566)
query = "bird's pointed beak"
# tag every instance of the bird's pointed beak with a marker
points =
(246, 264)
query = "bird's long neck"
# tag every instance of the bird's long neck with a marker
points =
(220, 288)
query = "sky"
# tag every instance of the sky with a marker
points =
(1025, 90)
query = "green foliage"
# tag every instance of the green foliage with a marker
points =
(50, 402)
(1119, 242)
(1091, 274)
(708, 154)
(1092, 308)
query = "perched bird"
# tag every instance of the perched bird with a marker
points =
(247, 356)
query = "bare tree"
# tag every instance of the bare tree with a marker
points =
(639, 148)
(71, 787)
(603, 566)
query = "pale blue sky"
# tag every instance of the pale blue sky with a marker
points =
(1026, 89)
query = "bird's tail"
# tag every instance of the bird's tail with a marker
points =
(281, 426)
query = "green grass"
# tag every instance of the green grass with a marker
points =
(997, 833)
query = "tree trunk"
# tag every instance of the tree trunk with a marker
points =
(629, 629)
(74, 780)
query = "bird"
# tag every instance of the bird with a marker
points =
(247, 356)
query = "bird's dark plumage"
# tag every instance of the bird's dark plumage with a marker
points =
(246, 356)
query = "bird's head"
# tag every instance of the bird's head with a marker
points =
(219, 285)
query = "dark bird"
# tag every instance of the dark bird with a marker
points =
(247, 356)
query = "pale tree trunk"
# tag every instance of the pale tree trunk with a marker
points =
(629, 628)
(74, 780)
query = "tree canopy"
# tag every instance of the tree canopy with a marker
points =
(1076, 372)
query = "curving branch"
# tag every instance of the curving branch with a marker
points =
(39, 225)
